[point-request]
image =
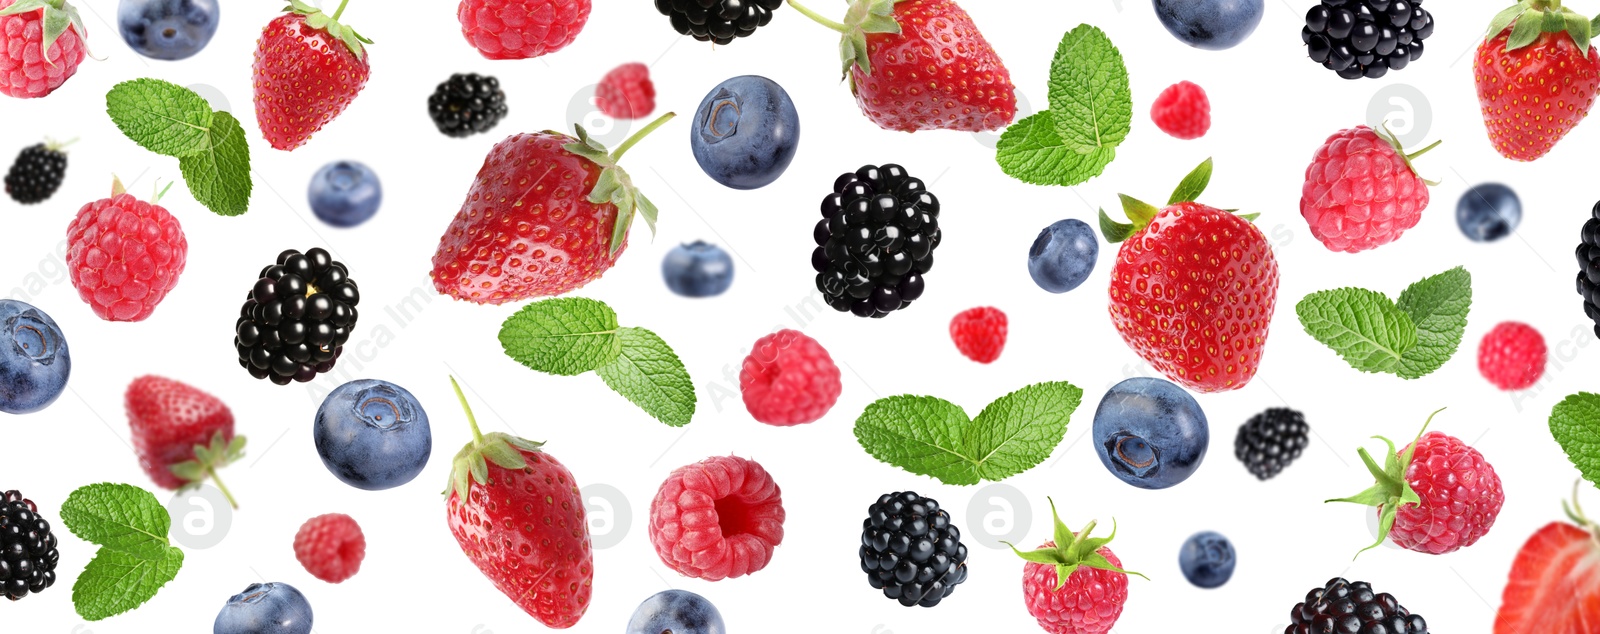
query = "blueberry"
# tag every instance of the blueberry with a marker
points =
(1207, 559)
(345, 193)
(745, 132)
(265, 608)
(697, 270)
(373, 435)
(34, 359)
(167, 29)
(1488, 212)
(1150, 433)
(1063, 256)
(1212, 25)
(678, 612)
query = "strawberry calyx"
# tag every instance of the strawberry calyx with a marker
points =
(1394, 141)
(614, 185)
(1072, 551)
(1392, 490)
(56, 17)
(863, 17)
(1529, 19)
(330, 24)
(472, 462)
(1574, 512)
(207, 460)
(1141, 213)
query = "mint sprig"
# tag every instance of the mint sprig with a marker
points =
(1091, 112)
(1410, 338)
(1575, 424)
(569, 336)
(934, 437)
(174, 121)
(135, 558)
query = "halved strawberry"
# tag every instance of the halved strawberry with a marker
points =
(1555, 580)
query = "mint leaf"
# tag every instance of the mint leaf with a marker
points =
(115, 581)
(163, 117)
(219, 175)
(566, 336)
(120, 517)
(649, 374)
(1032, 152)
(1089, 91)
(1438, 306)
(1363, 326)
(1575, 424)
(934, 437)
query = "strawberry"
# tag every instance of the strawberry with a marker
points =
(518, 515)
(41, 45)
(922, 65)
(1554, 587)
(308, 68)
(181, 434)
(1361, 191)
(1074, 584)
(547, 214)
(1536, 77)
(1193, 288)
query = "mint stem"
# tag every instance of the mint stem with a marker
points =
(339, 11)
(640, 135)
(818, 17)
(215, 479)
(477, 436)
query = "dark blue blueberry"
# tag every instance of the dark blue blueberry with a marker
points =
(697, 270)
(1207, 559)
(1488, 212)
(34, 359)
(265, 608)
(345, 193)
(745, 132)
(678, 612)
(1063, 256)
(371, 434)
(1212, 25)
(1150, 433)
(167, 29)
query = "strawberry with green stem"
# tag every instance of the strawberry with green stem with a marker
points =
(181, 435)
(1536, 75)
(308, 68)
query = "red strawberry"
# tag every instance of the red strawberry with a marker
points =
(1074, 584)
(518, 515)
(308, 68)
(922, 65)
(1535, 84)
(1554, 586)
(181, 435)
(547, 214)
(1437, 496)
(41, 45)
(1361, 191)
(1193, 288)
(520, 29)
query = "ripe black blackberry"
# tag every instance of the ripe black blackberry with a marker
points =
(718, 21)
(1589, 268)
(910, 551)
(875, 241)
(37, 173)
(28, 554)
(1350, 607)
(1366, 38)
(467, 104)
(296, 319)
(1269, 441)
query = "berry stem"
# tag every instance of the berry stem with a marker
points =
(640, 135)
(1414, 155)
(339, 11)
(215, 479)
(818, 17)
(477, 436)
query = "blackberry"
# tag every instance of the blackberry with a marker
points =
(1350, 607)
(28, 554)
(718, 21)
(876, 239)
(1269, 441)
(1589, 268)
(1366, 38)
(910, 551)
(297, 317)
(467, 104)
(37, 173)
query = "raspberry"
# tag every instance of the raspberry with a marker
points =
(626, 92)
(1512, 356)
(520, 29)
(717, 519)
(788, 379)
(979, 333)
(1361, 192)
(1183, 111)
(27, 69)
(1090, 602)
(1461, 497)
(330, 547)
(125, 255)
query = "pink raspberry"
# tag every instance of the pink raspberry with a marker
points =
(1512, 356)
(1461, 497)
(626, 92)
(27, 69)
(1183, 111)
(124, 255)
(1090, 602)
(520, 29)
(788, 379)
(979, 333)
(717, 519)
(1361, 192)
(331, 547)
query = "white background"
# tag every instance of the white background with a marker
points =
(1272, 108)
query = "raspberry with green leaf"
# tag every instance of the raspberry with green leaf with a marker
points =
(41, 45)
(1074, 584)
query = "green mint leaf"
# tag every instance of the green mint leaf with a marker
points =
(1019, 430)
(1032, 152)
(1438, 307)
(1575, 424)
(218, 176)
(120, 517)
(1089, 91)
(566, 336)
(650, 375)
(1363, 326)
(162, 117)
(115, 582)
